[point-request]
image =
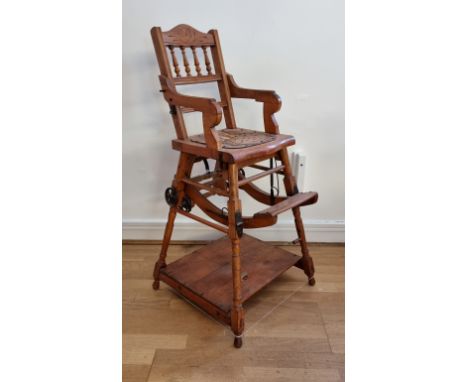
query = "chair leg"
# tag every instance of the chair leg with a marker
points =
(161, 263)
(307, 262)
(235, 232)
(291, 188)
(184, 169)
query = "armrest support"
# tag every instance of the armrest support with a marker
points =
(211, 110)
(271, 102)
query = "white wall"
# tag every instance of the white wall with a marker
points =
(294, 47)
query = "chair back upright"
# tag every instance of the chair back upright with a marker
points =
(201, 61)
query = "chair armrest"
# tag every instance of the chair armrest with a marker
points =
(269, 96)
(211, 110)
(271, 102)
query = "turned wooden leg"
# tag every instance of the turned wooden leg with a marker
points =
(161, 263)
(184, 168)
(235, 232)
(237, 311)
(307, 264)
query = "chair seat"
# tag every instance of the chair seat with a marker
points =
(238, 145)
(237, 138)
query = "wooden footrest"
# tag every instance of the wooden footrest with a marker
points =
(299, 199)
(205, 276)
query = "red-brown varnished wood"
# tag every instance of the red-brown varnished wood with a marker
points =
(196, 61)
(207, 271)
(235, 211)
(217, 214)
(186, 63)
(223, 85)
(165, 69)
(261, 196)
(202, 220)
(240, 156)
(196, 80)
(296, 200)
(271, 102)
(291, 189)
(210, 109)
(207, 60)
(185, 35)
(175, 63)
(260, 175)
(222, 276)
(183, 169)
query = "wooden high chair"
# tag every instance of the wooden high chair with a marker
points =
(220, 277)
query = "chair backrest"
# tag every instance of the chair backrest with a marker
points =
(194, 48)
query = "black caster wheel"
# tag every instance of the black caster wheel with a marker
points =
(187, 204)
(237, 342)
(171, 196)
(312, 281)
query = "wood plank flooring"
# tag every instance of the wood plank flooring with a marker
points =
(294, 332)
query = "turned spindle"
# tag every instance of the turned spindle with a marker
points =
(175, 64)
(186, 63)
(195, 59)
(207, 60)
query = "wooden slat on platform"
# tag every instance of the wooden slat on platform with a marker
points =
(207, 272)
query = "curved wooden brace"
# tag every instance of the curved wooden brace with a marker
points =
(205, 205)
(259, 195)
(217, 214)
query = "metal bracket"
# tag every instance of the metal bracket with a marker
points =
(172, 110)
(207, 166)
(239, 224)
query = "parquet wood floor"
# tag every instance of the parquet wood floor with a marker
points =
(294, 332)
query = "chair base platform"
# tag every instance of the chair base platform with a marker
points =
(204, 277)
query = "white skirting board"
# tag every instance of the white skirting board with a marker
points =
(318, 231)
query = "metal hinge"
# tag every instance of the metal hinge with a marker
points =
(239, 224)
